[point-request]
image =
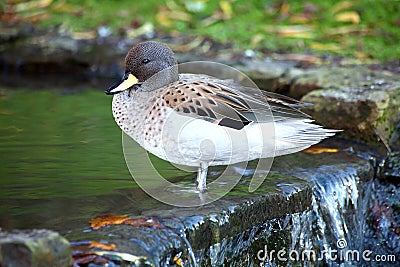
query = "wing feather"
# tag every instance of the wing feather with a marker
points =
(227, 103)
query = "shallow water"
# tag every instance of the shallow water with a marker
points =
(61, 160)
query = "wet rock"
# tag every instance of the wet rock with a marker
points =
(382, 231)
(146, 246)
(363, 103)
(241, 223)
(193, 232)
(34, 248)
(389, 170)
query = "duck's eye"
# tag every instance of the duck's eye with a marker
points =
(145, 61)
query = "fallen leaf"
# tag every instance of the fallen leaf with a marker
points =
(284, 11)
(145, 29)
(347, 30)
(187, 46)
(256, 39)
(319, 150)
(24, 6)
(312, 59)
(179, 15)
(360, 55)
(162, 17)
(325, 46)
(341, 6)
(89, 35)
(226, 8)
(107, 219)
(62, 6)
(171, 5)
(348, 16)
(211, 20)
(294, 31)
(301, 18)
(36, 17)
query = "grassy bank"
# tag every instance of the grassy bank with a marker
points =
(364, 29)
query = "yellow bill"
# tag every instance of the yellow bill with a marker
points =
(127, 82)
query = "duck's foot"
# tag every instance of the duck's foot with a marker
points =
(201, 181)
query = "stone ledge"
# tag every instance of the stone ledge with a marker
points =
(288, 190)
(37, 247)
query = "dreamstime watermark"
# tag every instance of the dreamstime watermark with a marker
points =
(181, 138)
(342, 254)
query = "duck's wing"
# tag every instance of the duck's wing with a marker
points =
(280, 105)
(226, 103)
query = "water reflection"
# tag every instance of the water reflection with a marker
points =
(61, 159)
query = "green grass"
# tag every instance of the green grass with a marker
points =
(372, 29)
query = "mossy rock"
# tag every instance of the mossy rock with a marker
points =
(367, 109)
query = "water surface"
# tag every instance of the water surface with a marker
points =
(61, 160)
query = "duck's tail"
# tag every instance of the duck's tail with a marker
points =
(294, 135)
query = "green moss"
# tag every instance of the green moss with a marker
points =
(389, 117)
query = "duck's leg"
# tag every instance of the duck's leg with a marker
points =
(201, 177)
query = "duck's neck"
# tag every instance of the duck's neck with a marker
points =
(161, 79)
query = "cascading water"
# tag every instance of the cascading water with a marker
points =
(332, 233)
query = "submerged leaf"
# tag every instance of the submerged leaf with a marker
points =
(96, 244)
(107, 219)
(113, 219)
(319, 150)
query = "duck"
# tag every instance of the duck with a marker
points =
(199, 120)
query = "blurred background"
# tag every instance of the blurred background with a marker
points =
(362, 29)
